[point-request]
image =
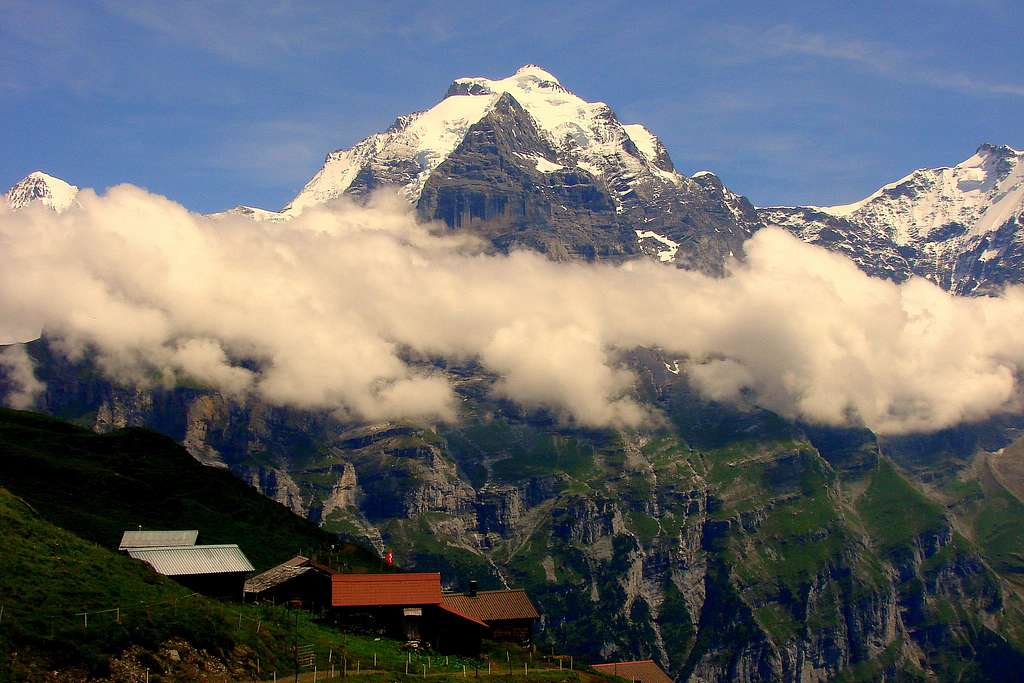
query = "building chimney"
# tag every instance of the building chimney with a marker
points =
(472, 589)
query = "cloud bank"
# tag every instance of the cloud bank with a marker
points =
(331, 311)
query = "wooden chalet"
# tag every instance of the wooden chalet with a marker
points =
(216, 570)
(509, 613)
(298, 582)
(406, 607)
(641, 671)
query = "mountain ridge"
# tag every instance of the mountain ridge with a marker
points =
(958, 226)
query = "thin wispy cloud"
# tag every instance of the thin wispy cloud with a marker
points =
(878, 58)
(248, 33)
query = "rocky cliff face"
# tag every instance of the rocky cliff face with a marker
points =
(727, 544)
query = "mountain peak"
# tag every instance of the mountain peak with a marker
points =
(41, 187)
(990, 149)
(528, 77)
(532, 70)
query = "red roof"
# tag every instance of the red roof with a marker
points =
(645, 671)
(462, 615)
(374, 590)
(500, 605)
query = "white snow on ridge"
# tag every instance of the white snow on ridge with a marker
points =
(541, 164)
(982, 193)
(586, 132)
(41, 187)
(988, 255)
(250, 212)
(645, 140)
(664, 255)
(426, 137)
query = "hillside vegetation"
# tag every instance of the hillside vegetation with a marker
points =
(99, 485)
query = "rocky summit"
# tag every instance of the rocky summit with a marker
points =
(524, 162)
(725, 542)
(958, 226)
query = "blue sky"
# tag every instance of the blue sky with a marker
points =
(218, 103)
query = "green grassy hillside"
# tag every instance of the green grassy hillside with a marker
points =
(98, 485)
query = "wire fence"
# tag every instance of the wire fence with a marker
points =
(303, 661)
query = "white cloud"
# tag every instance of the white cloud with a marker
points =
(23, 387)
(330, 309)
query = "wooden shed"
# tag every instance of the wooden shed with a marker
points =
(215, 570)
(406, 607)
(298, 582)
(509, 613)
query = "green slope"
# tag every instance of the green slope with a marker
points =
(98, 485)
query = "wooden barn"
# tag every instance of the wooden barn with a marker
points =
(509, 613)
(215, 570)
(406, 607)
(641, 671)
(298, 582)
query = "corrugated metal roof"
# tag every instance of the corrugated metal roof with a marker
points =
(273, 577)
(155, 539)
(498, 605)
(194, 559)
(373, 590)
(285, 571)
(645, 671)
(462, 615)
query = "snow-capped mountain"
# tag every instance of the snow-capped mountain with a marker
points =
(45, 189)
(525, 162)
(958, 226)
(250, 212)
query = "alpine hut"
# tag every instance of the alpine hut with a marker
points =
(217, 570)
(509, 613)
(408, 607)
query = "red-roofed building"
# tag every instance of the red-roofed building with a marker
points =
(378, 590)
(642, 671)
(406, 606)
(509, 613)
